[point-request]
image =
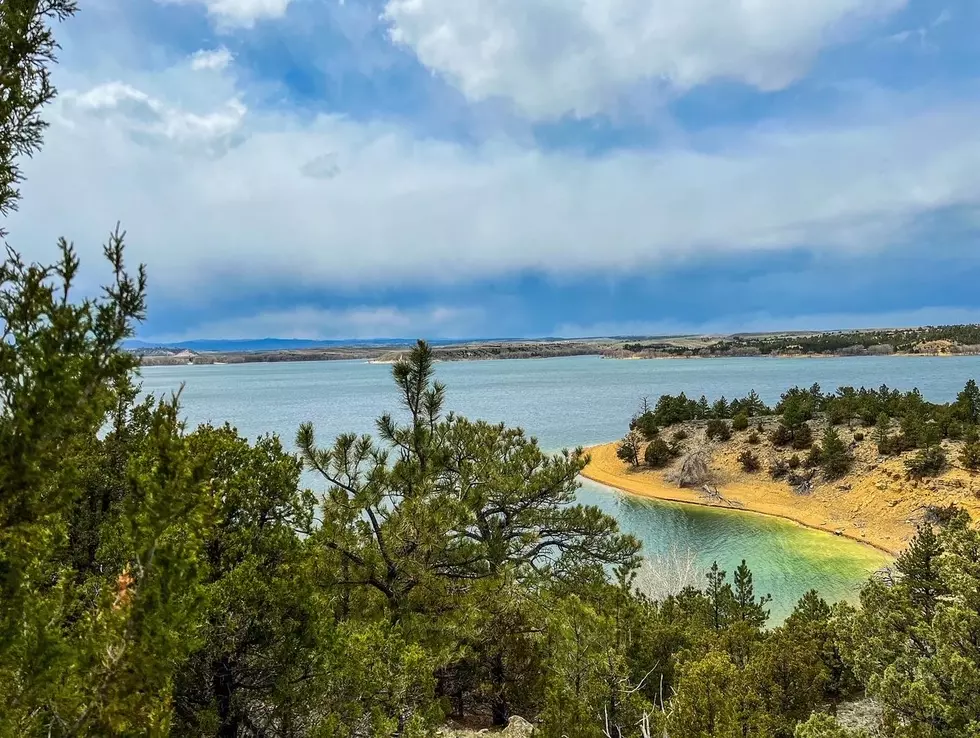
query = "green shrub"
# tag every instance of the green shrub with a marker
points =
(718, 430)
(754, 438)
(814, 458)
(794, 462)
(646, 425)
(749, 461)
(779, 470)
(803, 437)
(970, 456)
(781, 436)
(858, 437)
(680, 435)
(761, 428)
(658, 453)
(929, 462)
(629, 448)
(740, 422)
(971, 434)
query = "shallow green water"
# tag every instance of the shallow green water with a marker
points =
(583, 401)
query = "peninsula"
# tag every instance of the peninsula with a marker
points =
(870, 465)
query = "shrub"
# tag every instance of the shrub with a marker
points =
(971, 434)
(740, 422)
(749, 461)
(754, 438)
(629, 448)
(803, 437)
(970, 456)
(814, 458)
(779, 470)
(646, 424)
(761, 428)
(858, 437)
(781, 436)
(718, 430)
(794, 462)
(927, 463)
(658, 454)
(680, 435)
(837, 415)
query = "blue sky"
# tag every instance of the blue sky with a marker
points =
(441, 168)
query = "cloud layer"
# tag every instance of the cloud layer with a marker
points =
(555, 57)
(206, 193)
(430, 154)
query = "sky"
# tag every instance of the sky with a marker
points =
(330, 169)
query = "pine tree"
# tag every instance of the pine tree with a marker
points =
(882, 433)
(835, 458)
(968, 403)
(749, 609)
(919, 565)
(720, 597)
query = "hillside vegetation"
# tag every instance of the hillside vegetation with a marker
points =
(869, 464)
(926, 341)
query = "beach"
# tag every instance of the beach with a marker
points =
(875, 505)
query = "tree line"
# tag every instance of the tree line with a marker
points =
(898, 422)
(905, 340)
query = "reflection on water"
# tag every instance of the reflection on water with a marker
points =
(786, 559)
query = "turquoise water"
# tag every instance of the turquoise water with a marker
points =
(582, 401)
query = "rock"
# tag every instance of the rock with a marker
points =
(844, 487)
(839, 532)
(518, 727)
(882, 486)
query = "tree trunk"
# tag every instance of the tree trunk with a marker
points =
(499, 706)
(223, 685)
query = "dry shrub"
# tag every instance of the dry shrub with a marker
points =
(692, 472)
(667, 573)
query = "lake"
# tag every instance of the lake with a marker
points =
(567, 402)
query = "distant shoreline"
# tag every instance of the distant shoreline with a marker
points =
(928, 341)
(245, 357)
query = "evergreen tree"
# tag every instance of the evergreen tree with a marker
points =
(748, 608)
(968, 403)
(720, 597)
(882, 436)
(835, 458)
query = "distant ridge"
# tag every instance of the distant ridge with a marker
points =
(297, 344)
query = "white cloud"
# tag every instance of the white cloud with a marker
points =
(350, 323)
(240, 13)
(214, 60)
(122, 107)
(552, 57)
(213, 196)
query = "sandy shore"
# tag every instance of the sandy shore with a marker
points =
(876, 506)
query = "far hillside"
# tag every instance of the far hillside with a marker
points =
(926, 341)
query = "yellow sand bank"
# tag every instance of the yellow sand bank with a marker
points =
(875, 504)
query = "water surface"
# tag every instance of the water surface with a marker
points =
(568, 402)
